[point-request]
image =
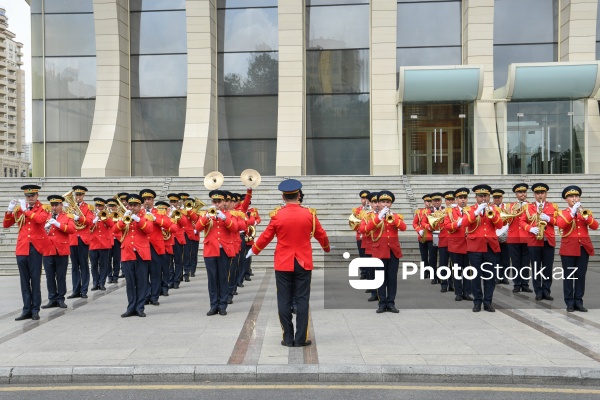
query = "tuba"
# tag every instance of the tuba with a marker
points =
(354, 222)
(251, 233)
(73, 209)
(435, 219)
(506, 216)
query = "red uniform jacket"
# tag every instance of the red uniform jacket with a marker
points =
(137, 238)
(424, 224)
(516, 234)
(60, 236)
(442, 235)
(356, 212)
(481, 230)
(457, 241)
(101, 238)
(192, 218)
(240, 217)
(367, 238)
(385, 236)
(182, 224)
(218, 234)
(293, 225)
(243, 206)
(417, 223)
(87, 219)
(252, 220)
(117, 233)
(161, 222)
(32, 229)
(170, 242)
(575, 233)
(529, 220)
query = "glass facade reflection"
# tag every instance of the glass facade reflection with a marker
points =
(248, 73)
(520, 38)
(337, 88)
(158, 86)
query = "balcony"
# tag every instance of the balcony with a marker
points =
(2, 44)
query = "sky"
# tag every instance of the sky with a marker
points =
(19, 22)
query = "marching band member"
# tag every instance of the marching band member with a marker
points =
(190, 251)
(242, 202)
(454, 224)
(253, 219)
(386, 247)
(502, 233)
(80, 245)
(168, 234)
(56, 258)
(364, 200)
(135, 254)
(123, 198)
(446, 284)
(482, 246)
(30, 216)
(180, 241)
(518, 238)
(101, 241)
(367, 238)
(294, 227)
(114, 256)
(576, 247)
(432, 233)
(541, 215)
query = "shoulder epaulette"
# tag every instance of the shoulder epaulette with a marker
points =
(47, 207)
(400, 216)
(91, 207)
(202, 213)
(313, 211)
(239, 214)
(355, 210)
(149, 217)
(274, 212)
(417, 211)
(555, 206)
(184, 211)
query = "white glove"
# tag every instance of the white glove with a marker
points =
(12, 205)
(221, 215)
(76, 217)
(480, 208)
(575, 208)
(544, 217)
(453, 205)
(195, 232)
(128, 212)
(54, 222)
(383, 212)
(135, 217)
(47, 225)
(250, 253)
(535, 230)
(23, 204)
(421, 232)
(96, 220)
(459, 223)
(255, 223)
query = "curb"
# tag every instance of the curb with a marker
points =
(302, 373)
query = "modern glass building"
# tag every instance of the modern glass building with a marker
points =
(315, 87)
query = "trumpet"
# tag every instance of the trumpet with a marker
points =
(389, 217)
(489, 211)
(103, 215)
(194, 205)
(115, 216)
(585, 213)
(175, 215)
(127, 219)
(212, 212)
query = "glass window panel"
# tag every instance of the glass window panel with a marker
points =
(337, 156)
(331, 2)
(159, 76)
(68, 6)
(156, 158)
(429, 56)
(597, 24)
(340, 27)
(337, 116)
(148, 5)
(64, 159)
(70, 35)
(337, 71)
(248, 73)
(513, 22)
(38, 159)
(252, 29)
(429, 24)
(37, 111)
(37, 35)
(158, 119)
(246, 3)
(598, 49)
(505, 55)
(37, 77)
(158, 32)
(70, 78)
(248, 117)
(69, 120)
(36, 6)
(237, 155)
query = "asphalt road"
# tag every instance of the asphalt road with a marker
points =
(253, 391)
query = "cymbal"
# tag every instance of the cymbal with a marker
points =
(213, 180)
(250, 178)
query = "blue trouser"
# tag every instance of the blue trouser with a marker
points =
(462, 287)
(248, 265)
(503, 260)
(542, 259)
(293, 285)
(574, 288)
(30, 272)
(433, 257)
(195, 245)
(217, 269)
(444, 258)
(187, 256)
(56, 277)
(136, 277)
(232, 274)
(424, 250)
(166, 260)
(177, 263)
(114, 263)
(99, 264)
(519, 257)
(80, 269)
(387, 292)
(154, 274)
(242, 265)
(477, 260)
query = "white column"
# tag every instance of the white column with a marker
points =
(109, 149)
(199, 154)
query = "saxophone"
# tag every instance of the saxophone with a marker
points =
(540, 224)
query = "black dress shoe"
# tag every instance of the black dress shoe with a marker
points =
(240, 285)
(458, 297)
(287, 344)
(247, 278)
(171, 285)
(434, 281)
(222, 312)
(165, 293)
(62, 304)
(23, 316)
(192, 274)
(526, 290)
(548, 297)
(451, 288)
(94, 288)
(307, 343)
(109, 280)
(84, 296)
(467, 297)
(251, 274)
(212, 311)
(505, 281)
(187, 279)
(35, 316)
(142, 314)
(581, 308)
(489, 308)
(373, 298)
(155, 303)
(176, 286)
(393, 309)
(147, 302)
(115, 281)
(102, 287)
(235, 293)
(74, 296)
(128, 314)
(380, 310)
(443, 290)
(477, 308)
(50, 304)
(516, 289)
(539, 297)
(570, 309)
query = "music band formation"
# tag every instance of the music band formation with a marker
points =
(520, 236)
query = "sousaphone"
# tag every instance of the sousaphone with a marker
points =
(214, 180)
(250, 178)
